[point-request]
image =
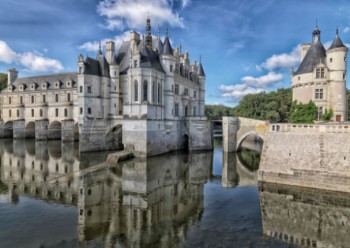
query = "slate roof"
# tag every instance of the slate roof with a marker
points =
(149, 58)
(315, 55)
(336, 43)
(50, 79)
(200, 70)
(167, 49)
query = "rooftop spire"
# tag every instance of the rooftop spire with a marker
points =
(167, 49)
(148, 33)
(337, 31)
(337, 41)
(200, 67)
(316, 34)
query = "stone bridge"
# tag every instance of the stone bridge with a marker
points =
(236, 129)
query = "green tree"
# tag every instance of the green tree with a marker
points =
(327, 115)
(3, 81)
(303, 113)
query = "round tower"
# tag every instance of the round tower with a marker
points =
(337, 62)
(201, 81)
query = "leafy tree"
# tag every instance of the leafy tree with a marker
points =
(303, 113)
(327, 115)
(3, 81)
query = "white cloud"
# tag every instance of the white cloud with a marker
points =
(235, 46)
(281, 61)
(238, 91)
(37, 63)
(132, 13)
(185, 3)
(346, 30)
(92, 46)
(250, 85)
(32, 61)
(7, 55)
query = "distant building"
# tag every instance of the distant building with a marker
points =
(321, 76)
(147, 97)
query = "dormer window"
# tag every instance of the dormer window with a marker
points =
(33, 86)
(10, 88)
(69, 84)
(320, 73)
(44, 85)
(57, 85)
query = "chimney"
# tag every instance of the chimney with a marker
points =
(12, 75)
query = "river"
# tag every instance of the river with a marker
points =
(52, 196)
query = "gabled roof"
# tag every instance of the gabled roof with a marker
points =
(315, 55)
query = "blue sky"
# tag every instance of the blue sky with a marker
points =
(247, 46)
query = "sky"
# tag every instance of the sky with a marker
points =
(247, 46)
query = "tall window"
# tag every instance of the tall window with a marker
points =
(10, 100)
(171, 68)
(136, 91)
(89, 110)
(56, 97)
(44, 98)
(89, 89)
(176, 89)
(68, 97)
(318, 93)
(154, 92)
(195, 94)
(186, 92)
(21, 99)
(56, 110)
(41, 113)
(194, 111)
(176, 109)
(81, 111)
(17, 113)
(32, 112)
(32, 99)
(65, 112)
(320, 73)
(145, 91)
(10, 113)
(159, 93)
(81, 89)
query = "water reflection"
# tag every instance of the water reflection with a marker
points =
(141, 203)
(305, 217)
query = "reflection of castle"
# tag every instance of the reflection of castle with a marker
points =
(144, 201)
(147, 202)
(305, 217)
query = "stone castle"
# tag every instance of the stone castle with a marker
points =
(147, 97)
(321, 76)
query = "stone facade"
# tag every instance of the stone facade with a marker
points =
(313, 156)
(146, 97)
(321, 76)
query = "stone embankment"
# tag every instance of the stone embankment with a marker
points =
(315, 156)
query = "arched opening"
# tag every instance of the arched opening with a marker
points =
(114, 137)
(54, 131)
(8, 130)
(249, 151)
(76, 132)
(29, 132)
(184, 143)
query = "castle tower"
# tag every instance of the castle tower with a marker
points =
(148, 37)
(337, 62)
(201, 81)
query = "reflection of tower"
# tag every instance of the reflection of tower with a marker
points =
(229, 172)
(305, 217)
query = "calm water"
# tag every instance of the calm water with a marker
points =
(50, 196)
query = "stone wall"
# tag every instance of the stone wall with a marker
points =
(314, 156)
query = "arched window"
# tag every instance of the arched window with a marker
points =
(154, 93)
(136, 91)
(145, 91)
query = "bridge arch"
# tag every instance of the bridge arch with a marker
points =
(54, 131)
(8, 130)
(114, 136)
(245, 136)
(29, 131)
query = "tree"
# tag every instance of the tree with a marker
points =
(327, 115)
(3, 81)
(303, 113)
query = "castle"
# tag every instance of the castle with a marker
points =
(147, 98)
(321, 76)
